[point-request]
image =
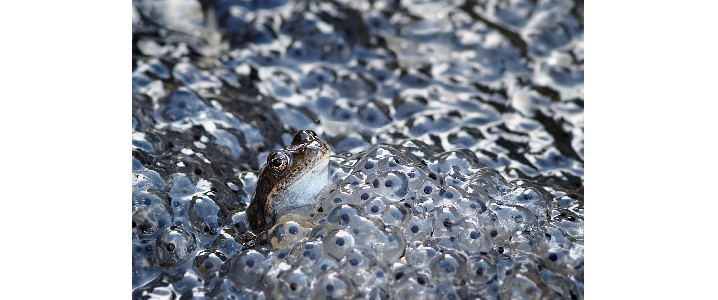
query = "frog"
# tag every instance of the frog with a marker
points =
(289, 181)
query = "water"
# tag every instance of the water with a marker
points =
(217, 85)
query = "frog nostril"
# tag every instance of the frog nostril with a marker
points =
(300, 137)
(303, 136)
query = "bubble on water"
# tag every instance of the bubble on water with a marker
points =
(343, 216)
(292, 284)
(511, 218)
(306, 254)
(367, 165)
(367, 232)
(208, 263)
(450, 195)
(318, 77)
(281, 85)
(469, 208)
(342, 112)
(422, 205)
(324, 264)
(448, 266)
(328, 200)
(337, 243)
(429, 188)
(224, 289)
(150, 214)
(187, 283)
(395, 163)
(524, 282)
(182, 188)
(357, 263)
(411, 283)
(418, 229)
(247, 269)
(351, 183)
(522, 195)
(390, 245)
(392, 184)
(409, 105)
(395, 214)
(197, 293)
(286, 233)
(480, 271)
(472, 239)
(418, 149)
(446, 221)
(571, 224)
(181, 106)
(160, 287)
(419, 255)
(206, 217)
(354, 86)
(420, 125)
(300, 52)
(374, 206)
(297, 118)
(527, 239)
(173, 246)
(227, 77)
(489, 224)
(144, 264)
(194, 78)
(458, 164)
(229, 194)
(465, 137)
(488, 181)
(332, 285)
(362, 193)
(276, 267)
(374, 114)
(144, 178)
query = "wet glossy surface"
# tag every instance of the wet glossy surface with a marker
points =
(218, 85)
(289, 181)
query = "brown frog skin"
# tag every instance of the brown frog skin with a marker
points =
(289, 181)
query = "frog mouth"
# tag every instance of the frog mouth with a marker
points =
(319, 166)
(303, 189)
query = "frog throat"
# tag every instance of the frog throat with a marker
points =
(300, 193)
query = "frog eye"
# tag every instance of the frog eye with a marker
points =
(279, 161)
